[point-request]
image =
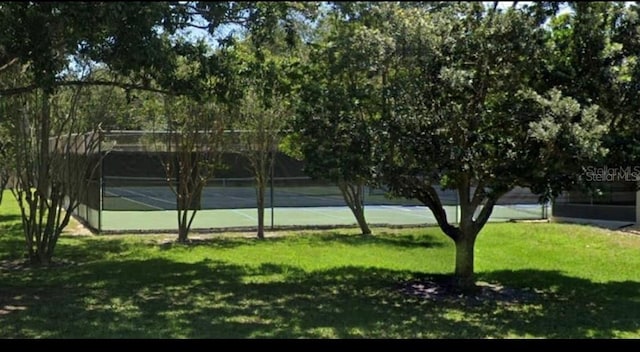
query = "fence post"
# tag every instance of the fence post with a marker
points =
(100, 180)
(273, 161)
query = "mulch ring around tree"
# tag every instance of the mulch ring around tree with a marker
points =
(440, 288)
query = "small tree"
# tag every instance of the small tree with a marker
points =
(51, 144)
(193, 146)
(262, 127)
(261, 74)
(54, 157)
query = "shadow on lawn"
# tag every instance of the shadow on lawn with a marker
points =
(383, 238)
(215, 242)
(163, 299)
(8, 218)
(90, 249)
(11, 229)
(11, 237)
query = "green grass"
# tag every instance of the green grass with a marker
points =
(329, 284)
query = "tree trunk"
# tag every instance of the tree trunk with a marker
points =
(352, 194)
(183, 232)
(261, 189)
(362, 222)
(464, 279)
(41, 215)
(40, 258)
(183, 206)
(4, 179)
(45, 258)
(183, 229)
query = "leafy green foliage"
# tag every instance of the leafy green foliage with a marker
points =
(340, 100)
(191, 149)
(593, 59)
(134, 46)
(259, 94)
(456, 91)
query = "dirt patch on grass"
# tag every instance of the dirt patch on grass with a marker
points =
(631, 230)
(76, 228)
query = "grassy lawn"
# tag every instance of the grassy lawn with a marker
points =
(322, 284)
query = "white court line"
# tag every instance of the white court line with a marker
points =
(327, 215)
(148, 196)
(393, 208)
(135, 201)
(423, 212)
(243, 214)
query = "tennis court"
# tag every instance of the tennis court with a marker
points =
(240, 193)
(316, 216)
(233, 206)
(131, 193)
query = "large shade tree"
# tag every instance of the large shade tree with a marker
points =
(466, 108)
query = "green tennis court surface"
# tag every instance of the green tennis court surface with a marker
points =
(299, 216)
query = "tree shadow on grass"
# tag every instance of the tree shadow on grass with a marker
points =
(383, 238)
(6, 218)
(159, 298)
(11, 229)
(91, 249)
(216, 242)
(572, 307)
(11, 240)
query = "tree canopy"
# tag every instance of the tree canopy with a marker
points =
(464, 105)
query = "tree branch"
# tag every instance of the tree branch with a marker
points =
(429, 197)
(32, 87)
(485, 213)
(478, 195)
(8, 64)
